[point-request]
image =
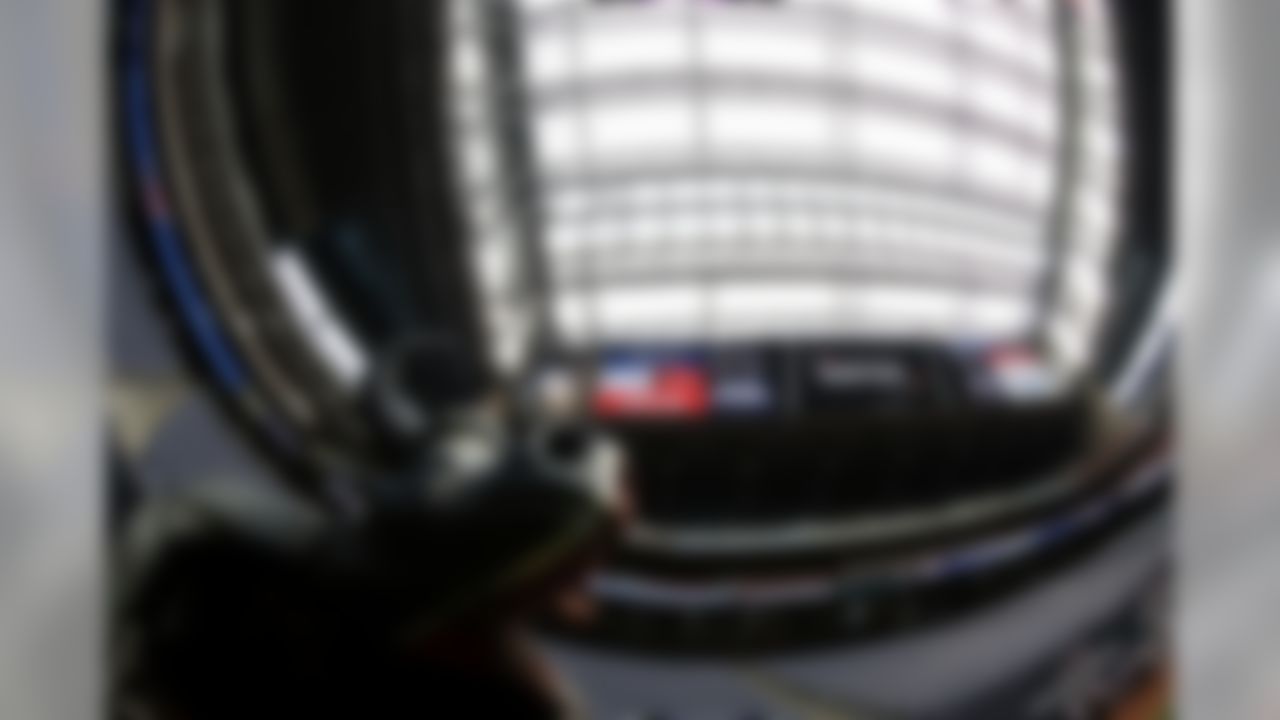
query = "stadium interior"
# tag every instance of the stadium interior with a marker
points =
(872, 297)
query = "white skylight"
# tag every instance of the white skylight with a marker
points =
(795, 168)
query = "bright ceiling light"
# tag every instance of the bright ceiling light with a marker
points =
(328, 335)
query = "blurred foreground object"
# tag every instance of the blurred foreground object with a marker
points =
(243, 601)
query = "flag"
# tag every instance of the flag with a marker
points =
(647, 387)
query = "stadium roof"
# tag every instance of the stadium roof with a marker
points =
(697, 171)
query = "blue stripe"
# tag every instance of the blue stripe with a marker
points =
(165, 236)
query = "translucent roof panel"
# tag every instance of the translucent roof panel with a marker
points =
(698, 171)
